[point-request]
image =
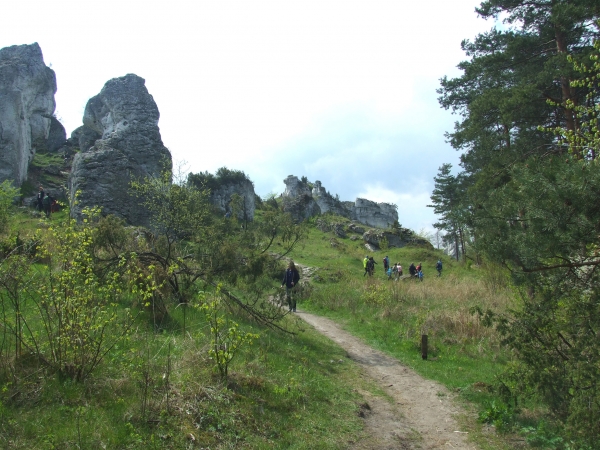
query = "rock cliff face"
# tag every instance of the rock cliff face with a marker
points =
(221, 198)
(379, 215)
(84, 137)
(302, 203)
(124, 119)
(27, 89)
(328, 203)
(57, 136)
(298, 200)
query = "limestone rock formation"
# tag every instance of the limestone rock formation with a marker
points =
(57, 136)
(303, 202)
(398, 238)
(380, 215)
(124, 117)
(298, 200)
(221, 198)
(327, 203)
(27, 88)
(84, 137)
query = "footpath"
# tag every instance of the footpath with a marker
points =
(423, 412)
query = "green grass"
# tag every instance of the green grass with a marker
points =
(283, 392)
(160, 389)
(391, 316)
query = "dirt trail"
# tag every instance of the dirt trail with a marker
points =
(424, 411)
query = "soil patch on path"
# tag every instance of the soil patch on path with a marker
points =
(422, 414)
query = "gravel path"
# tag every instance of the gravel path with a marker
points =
(423, 413)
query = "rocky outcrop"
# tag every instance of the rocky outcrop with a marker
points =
(379, 215)
(328, 203)
(125, 117)
(84, 137)
(27, 88)
(376, 239)
(221, 198)
(294, 187)
(303, 200)
(57, 136)
(298, 200)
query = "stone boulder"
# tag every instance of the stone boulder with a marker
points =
(125, 117)
(27, 88)
(353, 228)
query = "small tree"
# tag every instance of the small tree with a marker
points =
(7, 197)
(77, 306)
(226, 338)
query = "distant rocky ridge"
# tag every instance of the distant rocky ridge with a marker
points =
(27, 88)
(302, 202)
(120, 141)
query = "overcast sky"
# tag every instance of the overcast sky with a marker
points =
(337, 91)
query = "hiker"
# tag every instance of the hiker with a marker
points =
(47, 203)
(438, 267)
(398, 271)
(365, 261)
(54, 206)
(419, 267)
(412, 270)
(40, 199)
(420, 275)
(390, 272)
(386, 263)
(371, 266)
(290, 280)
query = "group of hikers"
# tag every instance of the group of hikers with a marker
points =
(46, 203)
(395, 271)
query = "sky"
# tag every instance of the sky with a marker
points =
(343, 92)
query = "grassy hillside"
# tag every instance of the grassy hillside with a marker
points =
(464, 355)
(161, 387)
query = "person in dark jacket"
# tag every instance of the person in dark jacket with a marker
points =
(386, 264)
(290, 280)
(371, 266)
(40, 199)
(47, 202)
(412, 270)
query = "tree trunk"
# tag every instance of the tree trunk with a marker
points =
(456, 247)
(565, 83)
(462, 244)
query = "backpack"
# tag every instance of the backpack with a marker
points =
(296, 277)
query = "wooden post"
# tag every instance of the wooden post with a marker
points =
(424, 346)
